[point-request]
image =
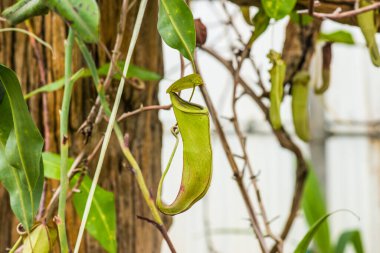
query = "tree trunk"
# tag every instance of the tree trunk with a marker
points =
(145, 131)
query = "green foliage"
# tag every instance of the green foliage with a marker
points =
(133, 71)
(300, 102)
(102, 217)
(21, 170)
(278, 9)
(302, 247)
(186, 82)
(83, 16)
(260, 22)
(338, 37)
(176, 26)
(101, 223)
(40, 240)
(326, 69)
(353, 237)
(24, 9)
(197, 153)
(56, 85)
(52, 165)
(277, 76)
(2, 93)
(314, 207)
(366, 22)
(347, 237)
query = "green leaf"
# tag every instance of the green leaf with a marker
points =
(176, 26)
(23, 10)
(56, 85)
(300, 103)
(82, 15)
(302, 247)
(338, 37)
(348, 237)
(277, 78)
(21, 170)
(186, 82)
(278, 9)
(133, 71)
(102, 217)
(261, 22)
(40, 240)
(101, 223)
(194, 126)
(2, 93)
(314, 207)
(52, 165)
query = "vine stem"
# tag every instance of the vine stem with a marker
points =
(23, 10)
(30, 34)
(61, 222)
(119, 136)
(16, 245)
(127, 153)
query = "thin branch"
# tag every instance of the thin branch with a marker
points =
(144, 109)
(284, 140)
(242, 140)
(253, 177)
(162, 230)
(182, 62)
(87, 126)
(346, 14)
(237, 175)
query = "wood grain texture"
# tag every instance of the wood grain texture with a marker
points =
(144, 129)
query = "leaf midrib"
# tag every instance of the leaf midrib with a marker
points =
(79, 19)
(30, 188)
(177, 30)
